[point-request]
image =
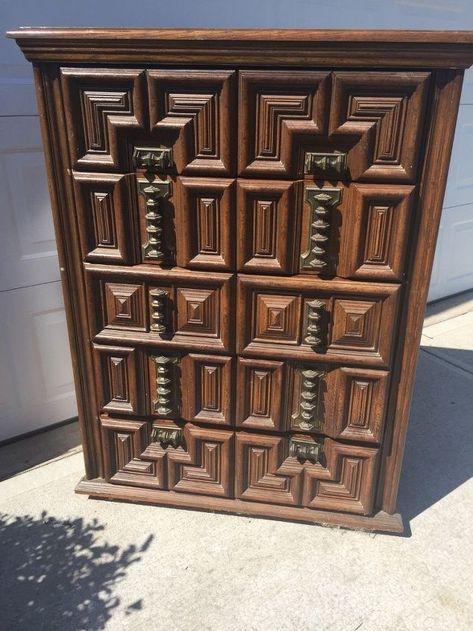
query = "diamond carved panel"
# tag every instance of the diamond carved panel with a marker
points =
(277, 318)
(197, 311)
(124, 306)
(355, 324)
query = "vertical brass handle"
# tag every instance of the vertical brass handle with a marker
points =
(164, 404)
(306, 417)
(154, 194)
(158, 307)
(321, 201)
(313, 335)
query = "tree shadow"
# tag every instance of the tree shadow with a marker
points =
(438, 457)
(59, 574)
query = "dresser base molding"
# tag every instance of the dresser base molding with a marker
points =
(379, 522)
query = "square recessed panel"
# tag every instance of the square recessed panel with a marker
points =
(356, 324)
(198, 311)
(277, 318)
(124, 306)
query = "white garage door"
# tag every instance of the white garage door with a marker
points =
(35, 375)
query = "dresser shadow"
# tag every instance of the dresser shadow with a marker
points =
(439, 449)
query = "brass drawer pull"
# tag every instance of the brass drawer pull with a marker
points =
(313, 327)
(303, 449)
(306, 418)
(158, 307)
(154, 194)
(164, 404)
(153, 159)
(167, 437)
(321, 201)
(325, 163)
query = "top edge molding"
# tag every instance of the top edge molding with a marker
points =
(223, 47)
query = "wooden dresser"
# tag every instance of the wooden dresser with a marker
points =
(246, 224)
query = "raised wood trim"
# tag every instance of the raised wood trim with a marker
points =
(285, 47)
(379, 522)
(444, 109)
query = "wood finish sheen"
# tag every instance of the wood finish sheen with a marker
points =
(230, 342)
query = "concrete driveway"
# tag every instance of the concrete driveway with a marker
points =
(70, 563)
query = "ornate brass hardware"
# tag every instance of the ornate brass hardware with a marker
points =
(164, 404)
(313, 328)
(305, 449)
(154, 194)
(321, 201)
(325, 163)
(158, 299)
(153, 159)
(167, 437)
(306, 417)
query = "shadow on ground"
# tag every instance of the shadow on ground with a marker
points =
(32, 451)
(438, 457)
(59, 575)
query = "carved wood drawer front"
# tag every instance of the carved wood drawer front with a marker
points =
(358, 231)
(174, 308)
(191, 115)
(303, 471)
(317, 320)
(340, 402)
(167, 456)
(373, 119)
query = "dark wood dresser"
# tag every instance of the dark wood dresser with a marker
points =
(246, 223)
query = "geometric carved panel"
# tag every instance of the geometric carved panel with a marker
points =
(192, 111)
(102, 106)
(276, 318)
(106, 204)
(124, 306)
(261, 394)
(197, 311)
(210, 389)
(358, 402)
(379, 117)
(374, 231)
(120, 377)
(345, 483)
(268, 220)
(204, 211)
(355, 324)
(277, 109)
(341, 479)
(124, 445)
(205, 467)
(264, 471)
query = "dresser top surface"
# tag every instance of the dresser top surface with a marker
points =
(290, 47)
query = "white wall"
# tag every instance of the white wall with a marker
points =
(35, 375)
